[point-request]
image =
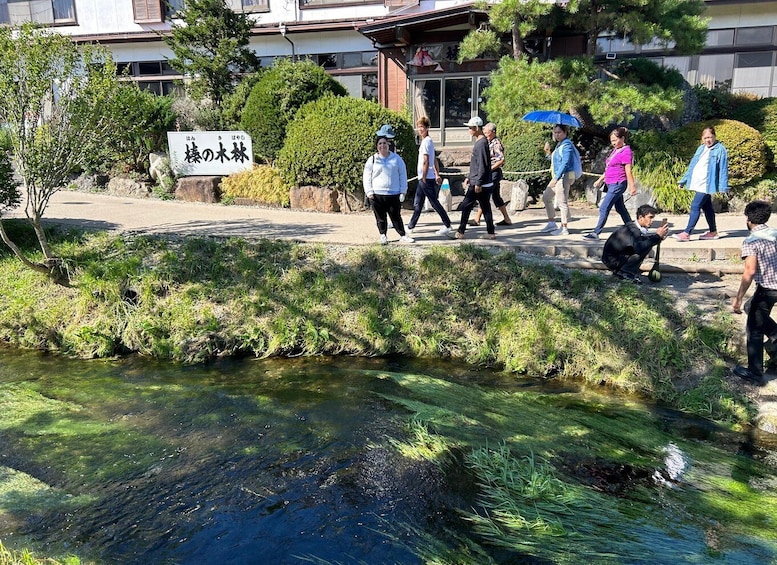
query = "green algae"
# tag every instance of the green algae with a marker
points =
(537, 458)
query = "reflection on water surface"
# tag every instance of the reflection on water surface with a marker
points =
(311, 460)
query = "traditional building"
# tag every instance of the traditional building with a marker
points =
(402, 53)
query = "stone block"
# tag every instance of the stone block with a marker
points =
(519, 194)
(199, 189)
(315, 199)
(125, 186)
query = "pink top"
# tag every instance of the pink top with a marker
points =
(616, 162)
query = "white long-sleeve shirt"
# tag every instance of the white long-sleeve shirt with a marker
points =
(385, 175)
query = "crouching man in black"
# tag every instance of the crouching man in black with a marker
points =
(628, 246)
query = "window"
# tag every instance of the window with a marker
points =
(720, 38)
(147, 11)
(150, 68)
(754, 35)
(328, 3)
(427, 100)
(328, 60)
(249, 5)
(38, 11)
(64, 11)
(715, 71)
(753, 73)
(613, 44)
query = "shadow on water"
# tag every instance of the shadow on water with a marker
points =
(291, 461)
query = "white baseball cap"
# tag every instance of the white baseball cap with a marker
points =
(474, 122)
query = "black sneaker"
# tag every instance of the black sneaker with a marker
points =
(748, 375)
(770, 347)
(636, 279)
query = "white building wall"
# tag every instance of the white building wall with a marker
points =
(742, 15)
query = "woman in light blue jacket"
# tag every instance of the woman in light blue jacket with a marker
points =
(385, 184)
(706, 174)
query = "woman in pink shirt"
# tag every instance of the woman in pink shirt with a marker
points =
(617, 177)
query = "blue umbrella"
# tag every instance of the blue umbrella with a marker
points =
(551, 117)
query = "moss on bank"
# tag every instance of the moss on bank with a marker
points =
(195, 299)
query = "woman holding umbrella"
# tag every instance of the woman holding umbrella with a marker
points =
(565, 169)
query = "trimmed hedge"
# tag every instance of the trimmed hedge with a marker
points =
(762, 115)
(275, 99)
(262, 184)
(662, 159)
(330, 139)
(523, 143)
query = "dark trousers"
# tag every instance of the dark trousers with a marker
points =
(760, 324)
(427, 188)
(496, 193)
(625, 263)
(484, 199)
(388, 205)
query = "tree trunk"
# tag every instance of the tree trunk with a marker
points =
(40, 267)
(518, 50)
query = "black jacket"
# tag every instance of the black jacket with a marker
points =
(480, 164)
(626, 241)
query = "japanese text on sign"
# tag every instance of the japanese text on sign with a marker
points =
(209, 152)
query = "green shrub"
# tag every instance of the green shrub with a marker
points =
(761, 114)
(234, 103)
(524, 142)
(5, 139)
(262, 184)
(330, 139)
(141, 121)
(10, 196)
(276, 97)
(660, 170)
(648, 73)
(660, 160)
(713, 103)
(762, 189)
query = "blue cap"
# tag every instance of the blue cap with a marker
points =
(385, 131)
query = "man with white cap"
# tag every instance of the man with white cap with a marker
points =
(479, 182)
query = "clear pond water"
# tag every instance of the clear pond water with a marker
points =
(302, 461)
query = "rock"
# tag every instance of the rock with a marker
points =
(199, 189)
(519, 194)
(315, 199)
(125, 186)
(89, 183)
(160, 170)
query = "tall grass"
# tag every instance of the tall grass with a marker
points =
(198, 299)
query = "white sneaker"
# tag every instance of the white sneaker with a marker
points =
(591, 235)
(549, 227)
(406, 239)
(408, 232)
(444, 231)
(383, 239)
(560, 231)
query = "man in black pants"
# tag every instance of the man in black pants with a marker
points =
(479, 182)
(759, 251)
(628, 246)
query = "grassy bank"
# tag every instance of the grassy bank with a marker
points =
(195, 299)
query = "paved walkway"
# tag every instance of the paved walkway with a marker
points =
(99, 211)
